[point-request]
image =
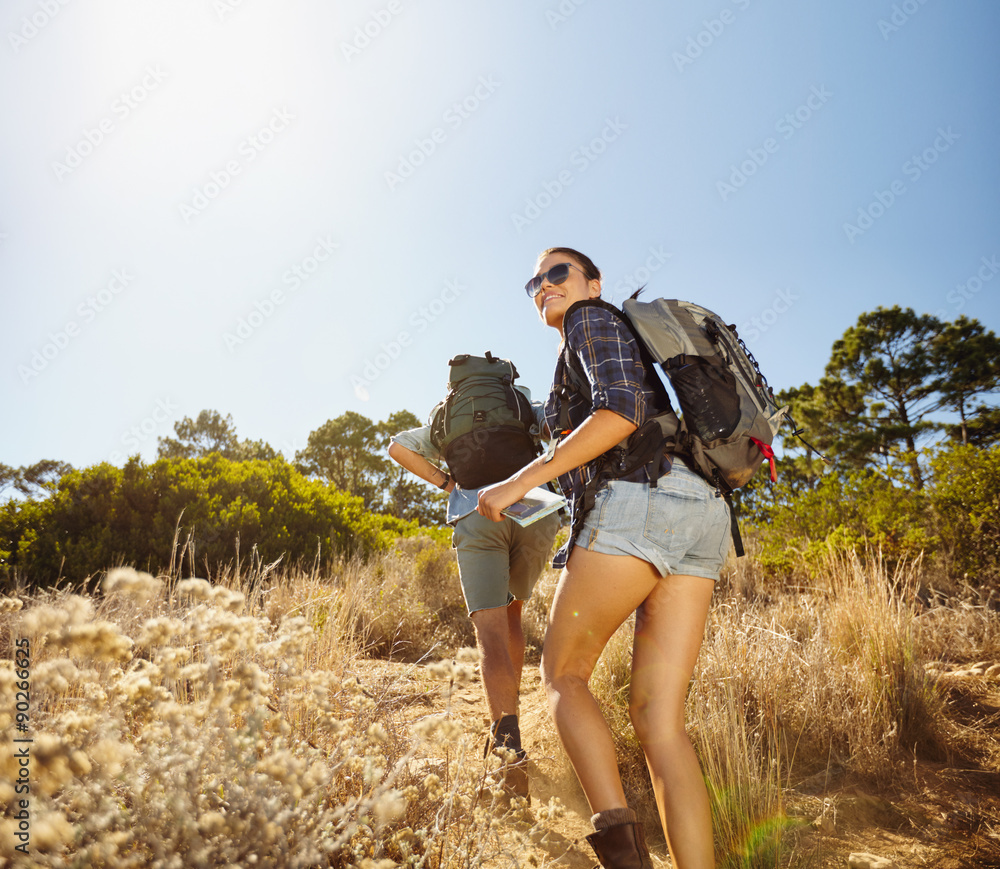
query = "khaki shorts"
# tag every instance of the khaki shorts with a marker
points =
(499, 562)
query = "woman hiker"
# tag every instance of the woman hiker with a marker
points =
(655, 551)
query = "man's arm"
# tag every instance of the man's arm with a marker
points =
(417, 465)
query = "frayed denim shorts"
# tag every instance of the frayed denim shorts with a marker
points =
(679, 526)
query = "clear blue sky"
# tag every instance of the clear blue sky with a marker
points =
(285, 211)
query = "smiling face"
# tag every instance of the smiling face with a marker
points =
(553, 300)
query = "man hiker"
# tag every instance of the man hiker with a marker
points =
(498, 562)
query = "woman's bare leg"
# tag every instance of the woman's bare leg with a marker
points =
(596, 593)
(670, 625)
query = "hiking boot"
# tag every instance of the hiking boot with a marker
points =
(505, 742)
(622, 846)
(514, 778)
(505, 734)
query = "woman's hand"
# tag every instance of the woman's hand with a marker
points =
(598, 433)
(499, 496)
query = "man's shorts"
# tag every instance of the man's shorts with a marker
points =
(499, 562)
(679, 526)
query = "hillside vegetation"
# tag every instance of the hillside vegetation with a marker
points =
(313, 719)
(225, 657)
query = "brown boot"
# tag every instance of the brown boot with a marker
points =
(622, 846)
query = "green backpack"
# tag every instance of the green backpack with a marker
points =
(484, 428)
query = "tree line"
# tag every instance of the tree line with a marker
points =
(899, 448)
(211, 498)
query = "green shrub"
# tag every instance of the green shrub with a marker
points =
(219, 510)
(841, 513)
(965, 500)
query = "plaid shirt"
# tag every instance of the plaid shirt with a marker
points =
(607, 353)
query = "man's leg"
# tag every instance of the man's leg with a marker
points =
(501, 656)
(515, 639)
(497, 561)
(501, 651)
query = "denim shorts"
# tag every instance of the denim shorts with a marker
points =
(679, 526)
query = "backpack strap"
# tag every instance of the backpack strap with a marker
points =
(645, 447)
(666, 420)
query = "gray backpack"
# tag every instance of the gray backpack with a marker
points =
(727, 407)
(728, 413)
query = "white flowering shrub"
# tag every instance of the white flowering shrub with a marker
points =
(172, 728)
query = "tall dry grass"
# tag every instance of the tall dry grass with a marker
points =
(176, 724)
(836, 680)
(248, 722)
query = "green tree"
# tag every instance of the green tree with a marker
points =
(967, 359)
(103, 515)
(7, 476)
(833, 416)
(405, 496)
(965, 496)
(982, 429)
(346, 452)
(349, 452)
(33, 479)
(211, 433)
(886, 357)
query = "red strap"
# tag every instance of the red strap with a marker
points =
(768, 454)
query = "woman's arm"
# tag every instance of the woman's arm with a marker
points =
(416, 464)
(598, 433)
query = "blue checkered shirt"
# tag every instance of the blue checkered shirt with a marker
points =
(608, 355)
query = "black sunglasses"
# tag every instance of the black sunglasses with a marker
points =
(555, 275)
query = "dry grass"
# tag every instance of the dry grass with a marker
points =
(838, 679)
(179, 723)
(176, 726)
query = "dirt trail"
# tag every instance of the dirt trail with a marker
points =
(947, 818)
(549, 772)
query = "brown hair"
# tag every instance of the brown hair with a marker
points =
(590, 271)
